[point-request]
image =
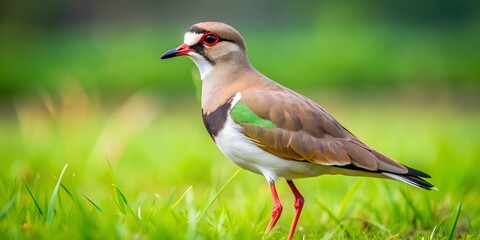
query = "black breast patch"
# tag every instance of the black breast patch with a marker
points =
(214, 121)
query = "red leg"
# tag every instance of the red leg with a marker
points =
(298, 204)
(276, 210)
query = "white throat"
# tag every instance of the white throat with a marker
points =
(204, 66)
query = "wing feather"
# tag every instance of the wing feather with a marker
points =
(298, 129)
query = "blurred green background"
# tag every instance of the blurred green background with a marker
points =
(112, 47)
(81, 83)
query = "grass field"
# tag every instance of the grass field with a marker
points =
(76, 166)
(100, 139)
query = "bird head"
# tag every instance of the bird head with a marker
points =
(209, 44)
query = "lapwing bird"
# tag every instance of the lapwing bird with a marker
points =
(271, 130)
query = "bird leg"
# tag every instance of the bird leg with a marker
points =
(276, 210)
(298, 204)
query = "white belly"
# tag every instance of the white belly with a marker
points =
(247, 155)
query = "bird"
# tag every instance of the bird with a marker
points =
(271, 130)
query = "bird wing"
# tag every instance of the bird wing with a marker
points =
(293, 127)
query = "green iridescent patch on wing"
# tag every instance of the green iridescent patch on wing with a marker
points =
(240, 113)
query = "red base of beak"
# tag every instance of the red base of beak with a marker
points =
(181, 50)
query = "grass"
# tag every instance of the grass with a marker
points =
(139, 169)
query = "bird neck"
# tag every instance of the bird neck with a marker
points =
(223, 82)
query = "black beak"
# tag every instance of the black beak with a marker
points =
(169, 54)
(182, 50)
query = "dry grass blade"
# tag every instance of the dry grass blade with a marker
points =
(395, 236)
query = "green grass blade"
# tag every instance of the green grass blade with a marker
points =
(192, 217)
(112, 173)
(153, 208)
(335, 219)
(375, 224)
(432, 234)
(122, 200)
(394, 206)
(346, 199)
(416, 212)
(67, 191)
(452, 231)
(182, 197)
(96, 206)
(120, 203)
(12, 194)
(31, 196)
(374, 210)
(210, 203)
(7, 206)
(428, 212)
(51, 205)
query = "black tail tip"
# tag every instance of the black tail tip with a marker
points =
(412, 180)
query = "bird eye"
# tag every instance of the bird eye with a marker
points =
(210, 39)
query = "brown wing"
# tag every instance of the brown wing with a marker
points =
(306, 132)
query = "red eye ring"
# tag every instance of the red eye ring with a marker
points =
(209, 39)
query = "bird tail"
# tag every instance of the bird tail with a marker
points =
(413, 178)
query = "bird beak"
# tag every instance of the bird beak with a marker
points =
(181, 50)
